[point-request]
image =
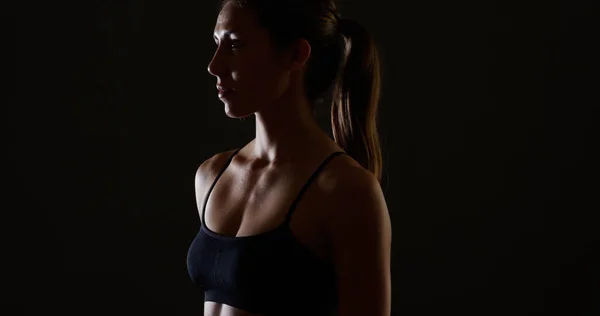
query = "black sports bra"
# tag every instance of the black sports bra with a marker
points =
(271, 273)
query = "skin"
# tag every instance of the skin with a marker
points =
(268, 84)
(254, 193)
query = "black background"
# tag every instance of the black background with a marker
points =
(485, 119)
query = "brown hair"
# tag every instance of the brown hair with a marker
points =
(344, 64)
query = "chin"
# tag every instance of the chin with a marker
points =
(236, 112)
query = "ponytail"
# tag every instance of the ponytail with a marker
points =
(356, 97)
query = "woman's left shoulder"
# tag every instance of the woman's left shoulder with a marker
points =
(345, 173)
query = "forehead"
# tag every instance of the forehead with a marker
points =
(232, 19)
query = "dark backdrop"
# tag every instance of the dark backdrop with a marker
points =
(485, 120)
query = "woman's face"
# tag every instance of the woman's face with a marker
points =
(246, 62)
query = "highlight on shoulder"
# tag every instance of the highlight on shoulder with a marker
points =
(206, 173)
(213, 164)
(343, 172)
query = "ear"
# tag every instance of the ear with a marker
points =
(300, 53)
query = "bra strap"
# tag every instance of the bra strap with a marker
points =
(215, 182)
(306, 185)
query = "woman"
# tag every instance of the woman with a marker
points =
(276, 60)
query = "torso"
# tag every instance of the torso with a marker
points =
(248, 202)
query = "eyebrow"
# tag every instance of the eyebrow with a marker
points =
(227, 34)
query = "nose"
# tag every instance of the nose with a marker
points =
(210, 68)
(214, 67)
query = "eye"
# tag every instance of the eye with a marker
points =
(235, 44)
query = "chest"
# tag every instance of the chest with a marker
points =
(243, 204)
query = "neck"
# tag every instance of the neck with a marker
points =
(286, 131)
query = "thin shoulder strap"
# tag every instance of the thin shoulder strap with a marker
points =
(312, 177)
(215, 181)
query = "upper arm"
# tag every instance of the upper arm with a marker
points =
(200, 181)
(360, 237)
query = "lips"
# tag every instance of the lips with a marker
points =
(223, 89)
(225, 93)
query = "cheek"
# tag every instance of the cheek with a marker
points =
(260, 81)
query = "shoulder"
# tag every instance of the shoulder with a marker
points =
(353, 186)
(211, 166)
(206, 173)
(359, 235)
(349, 191)
(346, 176)
(355, 202)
